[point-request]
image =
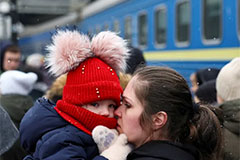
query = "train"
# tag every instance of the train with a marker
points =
(185, 35)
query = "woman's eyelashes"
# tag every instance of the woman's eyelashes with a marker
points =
(126, 104)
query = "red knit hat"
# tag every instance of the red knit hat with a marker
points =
(92, 73)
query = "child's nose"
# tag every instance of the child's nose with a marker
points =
(105, 112)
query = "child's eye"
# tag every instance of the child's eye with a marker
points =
(113, 106)
(95, 104)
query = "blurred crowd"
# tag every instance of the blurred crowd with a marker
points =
(22, 82)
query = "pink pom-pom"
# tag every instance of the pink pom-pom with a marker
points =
(111, 48)
(68, 49)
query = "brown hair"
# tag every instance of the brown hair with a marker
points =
(56, 89)
(12, 48)
(163, 89)
(124, 79)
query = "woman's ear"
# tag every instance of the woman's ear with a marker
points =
(159, 120)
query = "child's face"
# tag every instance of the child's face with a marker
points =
(105, 108)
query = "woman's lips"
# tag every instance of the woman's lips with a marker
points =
(119, 129)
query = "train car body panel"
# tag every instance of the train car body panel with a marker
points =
(187, 30)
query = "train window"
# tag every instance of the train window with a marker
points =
(106, 27)
(128, 29)
(183, 22)
(238, 19)
(160, 26)
(98, 29)
(90, 33)
(116, 26)
(212, 14)
(142, 29)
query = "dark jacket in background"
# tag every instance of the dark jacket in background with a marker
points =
(16, 105)
(231, 129)
(163, 150)
(207, 93)
(46, 135)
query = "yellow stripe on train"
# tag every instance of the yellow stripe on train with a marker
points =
(191, 55)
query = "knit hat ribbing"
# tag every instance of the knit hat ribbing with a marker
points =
(228, 81)
(92, 81)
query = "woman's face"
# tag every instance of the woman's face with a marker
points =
(128, 116)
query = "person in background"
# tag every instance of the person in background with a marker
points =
(10, 58)
(135, 60)
(206, 93)
(91, 93)
(201, 76)
(160, 119)
(15, 87)
(34, 63)
(228, 98)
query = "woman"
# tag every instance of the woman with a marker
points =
(158, 117)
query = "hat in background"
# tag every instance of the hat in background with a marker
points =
(135, 60)
(206, 74)
(228, 81)
(206, 92)
(17, 82)
(35, 60)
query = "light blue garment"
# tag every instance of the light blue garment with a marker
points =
(8, 132)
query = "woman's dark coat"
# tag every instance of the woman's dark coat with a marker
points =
(163, 150)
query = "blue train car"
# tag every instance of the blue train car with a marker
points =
(183, 34)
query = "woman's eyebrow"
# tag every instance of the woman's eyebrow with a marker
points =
(127, 99)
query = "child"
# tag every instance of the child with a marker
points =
(92, 91)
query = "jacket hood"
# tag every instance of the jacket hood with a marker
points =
(231, 115)
(39, 119)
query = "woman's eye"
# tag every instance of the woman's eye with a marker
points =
(127, 105)
(95, 104)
